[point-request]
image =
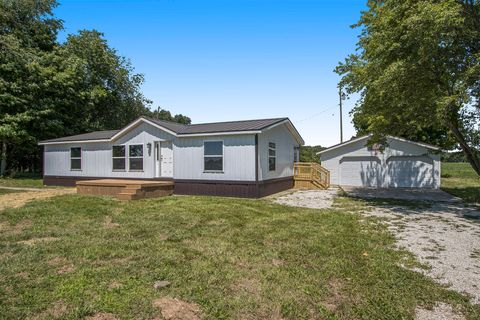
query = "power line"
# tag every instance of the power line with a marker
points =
(316, 114)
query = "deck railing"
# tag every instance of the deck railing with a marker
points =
(313, 172)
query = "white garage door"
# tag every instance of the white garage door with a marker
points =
(360, 171)
(410, 172)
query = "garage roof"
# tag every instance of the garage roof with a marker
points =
(425, 145)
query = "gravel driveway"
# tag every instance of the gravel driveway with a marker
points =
(445, 236)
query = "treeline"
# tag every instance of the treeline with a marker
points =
(309, 153)
(50, 89)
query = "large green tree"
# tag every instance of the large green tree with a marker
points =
(50, 89)
(417, 70)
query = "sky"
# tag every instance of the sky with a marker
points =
(223, 60)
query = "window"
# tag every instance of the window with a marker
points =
(213, 155)
(118, 157)
(75, 158)
(135, 157)
(272, 156)
(296, 152)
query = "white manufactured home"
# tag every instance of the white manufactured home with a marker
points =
(250, 158)
(402, 164)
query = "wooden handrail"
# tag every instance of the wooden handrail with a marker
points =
(312, 171)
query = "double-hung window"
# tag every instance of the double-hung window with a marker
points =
(272, 156)
(135, 157)
(213, 156)
(76, 158)
(118, 158)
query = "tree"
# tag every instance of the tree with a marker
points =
(163, 114)
(28, 31)
(49, 89)
(309, 153)
(417, 69)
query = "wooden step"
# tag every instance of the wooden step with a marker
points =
(127, 196)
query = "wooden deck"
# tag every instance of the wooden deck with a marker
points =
(125, 189)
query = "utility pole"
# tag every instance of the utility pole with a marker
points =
(340, 95)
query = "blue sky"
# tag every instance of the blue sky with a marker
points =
(218, 60)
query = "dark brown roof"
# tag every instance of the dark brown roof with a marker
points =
(182, 129)
(96, 135)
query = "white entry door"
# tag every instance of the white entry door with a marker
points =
(163, 159)
(166, 159)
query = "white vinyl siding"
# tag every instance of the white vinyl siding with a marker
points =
(285, 145)
(238, 158)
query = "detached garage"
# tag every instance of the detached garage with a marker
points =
(402, 164)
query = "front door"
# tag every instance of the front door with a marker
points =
(163, 159)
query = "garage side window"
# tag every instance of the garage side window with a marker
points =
(135, 157)
(213, 156)
(272, 156)
(118, 158)
(75, 158)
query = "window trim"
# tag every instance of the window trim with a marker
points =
(274, 157)
(124, 157)
(211, 156)
(142, 157)
(76, 158)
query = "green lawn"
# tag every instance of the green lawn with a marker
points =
(5, 191)
(73, 256)
(460, 180)
(27, 182)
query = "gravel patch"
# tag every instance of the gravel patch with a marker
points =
(446, 237)
(441, 311)
(316, 199)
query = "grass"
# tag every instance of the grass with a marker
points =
(5, 191)
(460, 180)
(73, 256)
(22, 182)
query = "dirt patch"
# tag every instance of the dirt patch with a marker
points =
(5, 227)
(277, 262)
(34, 241)
(109, 224)
(56, 311)
(19, 199)
(103, 316)
(335, 297)
(114, 285)
(175, 309)
(62, 264)
(441, 311)
(57, 261)
(69, 268)
(315, 199)
(248, 285)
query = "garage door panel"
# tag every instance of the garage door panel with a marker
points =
(360, 171)
(410, 172)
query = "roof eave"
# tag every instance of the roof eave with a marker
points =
(43, 143)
